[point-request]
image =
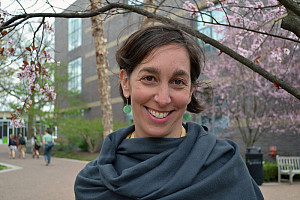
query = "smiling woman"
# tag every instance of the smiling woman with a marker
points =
(160, 157)
(160, 90)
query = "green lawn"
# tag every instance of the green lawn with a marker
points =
(2, 167)
(77, 155)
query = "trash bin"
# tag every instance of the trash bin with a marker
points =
(254, 162)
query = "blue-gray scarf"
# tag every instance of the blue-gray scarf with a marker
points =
(197, 166)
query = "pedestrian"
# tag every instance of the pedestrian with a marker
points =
(48, 143)
(35, 147)
(161, 156)
(13, 146)
(22, 145)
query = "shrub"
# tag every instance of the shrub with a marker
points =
(270, 171)
(85, 134)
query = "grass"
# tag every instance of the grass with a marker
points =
(77, 155)
(2, 167)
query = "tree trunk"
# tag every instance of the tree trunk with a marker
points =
(102, 69)
(31, 119)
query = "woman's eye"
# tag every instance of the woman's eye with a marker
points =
(149, 78)
(178, 82)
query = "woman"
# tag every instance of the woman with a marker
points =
(35, 147)
(48, 143)
(22, 145)
(13, 146)
(160, 157)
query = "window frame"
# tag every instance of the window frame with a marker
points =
(75, 75)
(74, 33)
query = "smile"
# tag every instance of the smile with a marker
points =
(158, 115)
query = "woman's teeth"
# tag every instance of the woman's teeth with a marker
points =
(158, 115)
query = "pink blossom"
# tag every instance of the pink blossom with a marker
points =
(18, 122)
(11, 42)
(191, 7)
(209, 3)
(238, 84)
(286, 51)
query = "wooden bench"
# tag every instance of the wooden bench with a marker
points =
(288, 165)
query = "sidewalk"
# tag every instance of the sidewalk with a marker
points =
(282, 191)
(32, 179)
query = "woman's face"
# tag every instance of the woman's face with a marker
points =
(160, 90)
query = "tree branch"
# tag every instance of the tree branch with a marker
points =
(291, 23)
(291, 5)
(284, 85)
(217, 45)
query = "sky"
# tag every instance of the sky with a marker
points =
(13, 7)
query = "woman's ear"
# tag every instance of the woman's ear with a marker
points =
(124, 80)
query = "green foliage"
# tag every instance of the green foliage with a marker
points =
(71, 155)
(85, 134)
(61, 142)
(118, 125)
(2, 167)
(83, 145)
(270, 171)
(77, 129)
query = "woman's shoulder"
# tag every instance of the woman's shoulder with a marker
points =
(195, 128)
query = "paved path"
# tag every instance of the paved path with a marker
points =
(283, 191)
(32, 179)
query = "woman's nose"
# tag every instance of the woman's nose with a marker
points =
(162, 96)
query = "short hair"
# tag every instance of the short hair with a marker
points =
(138, 46)
(48, 130)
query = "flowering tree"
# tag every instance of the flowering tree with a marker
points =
(27, 61)
(165, 10)
(252, 104)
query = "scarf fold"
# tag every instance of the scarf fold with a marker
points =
(197, 166)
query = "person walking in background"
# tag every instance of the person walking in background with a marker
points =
(22, 145)
(48, 143)
(35, 147)
(13, 146)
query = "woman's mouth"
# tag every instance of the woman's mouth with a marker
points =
(157, 114)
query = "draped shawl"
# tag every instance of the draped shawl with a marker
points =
(197, 166)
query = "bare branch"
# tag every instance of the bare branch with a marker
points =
(256, 68)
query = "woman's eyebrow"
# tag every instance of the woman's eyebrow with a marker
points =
(151, 70)
(156, 71)
(180, 73)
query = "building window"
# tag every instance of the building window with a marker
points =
(74, 75)
(135, 2)
(74, 33)
(207, 28)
